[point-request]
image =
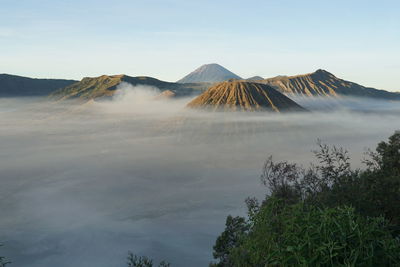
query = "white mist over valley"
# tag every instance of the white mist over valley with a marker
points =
(83, 184)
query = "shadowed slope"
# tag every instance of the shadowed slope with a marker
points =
(245, 96)
(13, 85)
(323, 83)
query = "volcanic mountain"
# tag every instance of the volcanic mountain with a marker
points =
(167, 94)
(323, 83)
(13, 85)
(254, 78)
(244, 96)
(106, 86)
(209, 73)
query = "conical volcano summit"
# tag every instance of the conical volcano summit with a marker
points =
(238, 95)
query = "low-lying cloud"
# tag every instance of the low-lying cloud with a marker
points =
(143, 100)
(81, 185)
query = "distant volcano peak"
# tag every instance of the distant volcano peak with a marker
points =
(210, 73)
(323, 72)
(211, 65)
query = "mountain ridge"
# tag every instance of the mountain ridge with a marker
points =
(317, 83)
(324, 83)
(105, 86)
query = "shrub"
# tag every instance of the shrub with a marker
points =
(143, 261)
(374, 191)
(304, 235)
(326, 214)
(3, 261)
(235, 227)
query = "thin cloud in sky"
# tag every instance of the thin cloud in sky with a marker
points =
(168, 39)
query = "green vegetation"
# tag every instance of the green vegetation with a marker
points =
(304, 235)
(143, 261)
(324, 215)
(3, 260)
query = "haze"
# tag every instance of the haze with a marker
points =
(81, 185)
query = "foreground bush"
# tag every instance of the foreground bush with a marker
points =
(374, 191)
(143, 261)
(3, 261)
(301, 235)
(327, 214)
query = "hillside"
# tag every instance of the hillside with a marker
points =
(323, 83)
(244, 96)
(209, 73)
(106, 86)
(13, 86)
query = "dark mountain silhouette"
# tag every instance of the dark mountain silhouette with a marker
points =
(13, 86)
(244, 96)
(323, 83)
(209, 73)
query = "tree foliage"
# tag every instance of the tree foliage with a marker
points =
(235, 228)
(325, 214)
(3, 260)
(304, 235)
(143, 261)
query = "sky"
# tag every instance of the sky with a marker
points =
(355, 40)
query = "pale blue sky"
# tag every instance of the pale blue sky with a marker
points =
(166, 39)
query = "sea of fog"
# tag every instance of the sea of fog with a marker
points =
(81, 185)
